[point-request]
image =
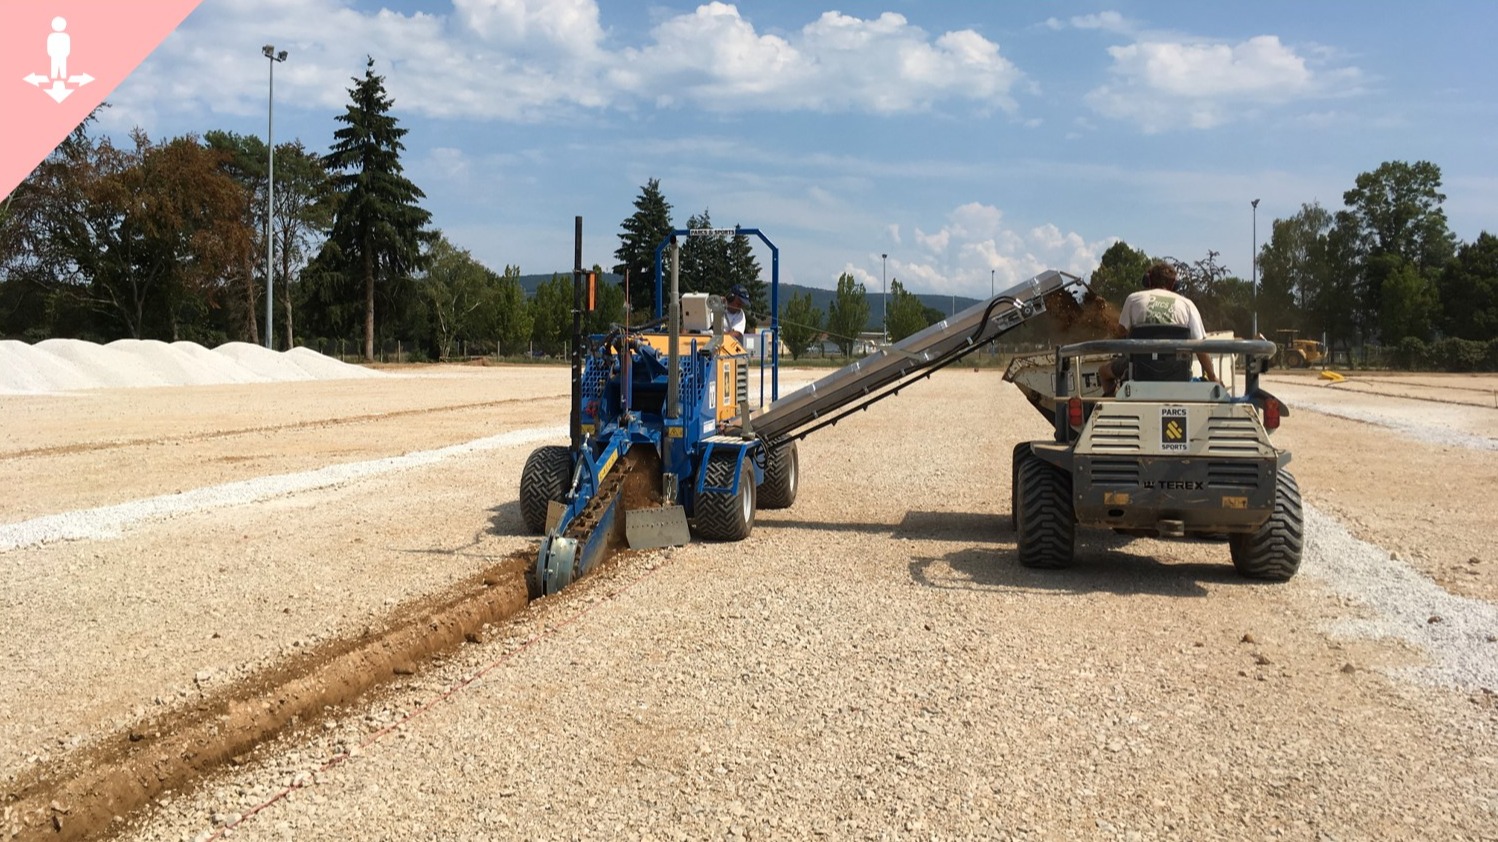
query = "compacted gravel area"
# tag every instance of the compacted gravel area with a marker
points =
(871, 663)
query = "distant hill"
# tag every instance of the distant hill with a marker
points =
(820, 298)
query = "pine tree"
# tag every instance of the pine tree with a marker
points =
(378, 228)
(642, 232)
(704, 259)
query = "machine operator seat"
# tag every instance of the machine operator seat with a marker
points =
(1160, 367)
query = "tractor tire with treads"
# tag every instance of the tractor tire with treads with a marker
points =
(720, 516)
(547, 476)
(1022, 453)
(1047, 522)
(1273, 552)
(1295, 359)
(782, 478)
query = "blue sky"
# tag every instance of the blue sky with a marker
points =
(971, 142)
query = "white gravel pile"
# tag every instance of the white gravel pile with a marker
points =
(1455, 632)
(1425, 427)
(67, 365)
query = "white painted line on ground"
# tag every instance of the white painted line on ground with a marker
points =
(113, 521)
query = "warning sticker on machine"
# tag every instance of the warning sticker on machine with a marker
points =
(1173, 429)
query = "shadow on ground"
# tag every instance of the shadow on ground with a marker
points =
(506, 519)
(1105, 562)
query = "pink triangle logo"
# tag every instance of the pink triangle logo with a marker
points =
(59, 60)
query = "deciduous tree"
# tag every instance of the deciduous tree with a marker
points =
(907, 315)
(1469, 290)
(800, 324)
(848, 314)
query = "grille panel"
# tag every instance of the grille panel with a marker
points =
(1235, 475)
(1232, 435)
(1116, 434)
(1123, 473)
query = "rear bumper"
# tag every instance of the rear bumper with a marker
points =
(1201, 494)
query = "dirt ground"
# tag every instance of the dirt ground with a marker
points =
(871, 663)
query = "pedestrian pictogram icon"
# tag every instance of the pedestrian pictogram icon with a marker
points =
(59, 48)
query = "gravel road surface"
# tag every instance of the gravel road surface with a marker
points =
(871, 663)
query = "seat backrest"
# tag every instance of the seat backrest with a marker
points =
(1160, 367)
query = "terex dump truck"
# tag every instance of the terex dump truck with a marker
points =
(1170, 456)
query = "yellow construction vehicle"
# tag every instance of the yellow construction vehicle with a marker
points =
(1298, 353)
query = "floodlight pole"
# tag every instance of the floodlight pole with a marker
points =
(269, 51)
(1255, 204)
(883, 298)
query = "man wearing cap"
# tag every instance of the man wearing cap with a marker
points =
(735, 320)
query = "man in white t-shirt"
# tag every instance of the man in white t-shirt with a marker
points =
(735, 322)
(1157, 304)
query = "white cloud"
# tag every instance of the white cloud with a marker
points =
(1164, 84)
(569, 24)
(974, 250)
(934, 242)
(1106, 21)
(549, 60)
(714, 58)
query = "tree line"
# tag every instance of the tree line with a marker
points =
(1382, 278)
(166, 239)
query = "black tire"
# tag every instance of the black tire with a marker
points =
(1273, 552)
(1047, 522)
(1022, 453)
(782, 478)
(1295, 359)
(726, 517)
(547, 476)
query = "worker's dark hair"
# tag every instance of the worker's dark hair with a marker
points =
(1161, 275)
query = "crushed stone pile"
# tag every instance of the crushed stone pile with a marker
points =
(67, 365)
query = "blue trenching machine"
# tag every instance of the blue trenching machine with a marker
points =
(664, 442)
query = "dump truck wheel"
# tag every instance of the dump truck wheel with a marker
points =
(1047, 520)
(1273, 552)
(1022, 453)
(547, 476)
(782, 478)
(1295, 359)
(726, 517)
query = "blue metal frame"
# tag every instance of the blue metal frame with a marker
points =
(686, 233)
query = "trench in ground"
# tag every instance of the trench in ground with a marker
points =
(87, 793)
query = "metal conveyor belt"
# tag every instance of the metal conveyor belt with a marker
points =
(889, 369)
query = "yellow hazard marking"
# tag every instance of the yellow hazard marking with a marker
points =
(602, 472)
(1235, 502)
(674, 432)
(1115, 498)
(1174, 431)
(588, 429)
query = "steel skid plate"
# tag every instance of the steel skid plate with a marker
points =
(649, 529)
